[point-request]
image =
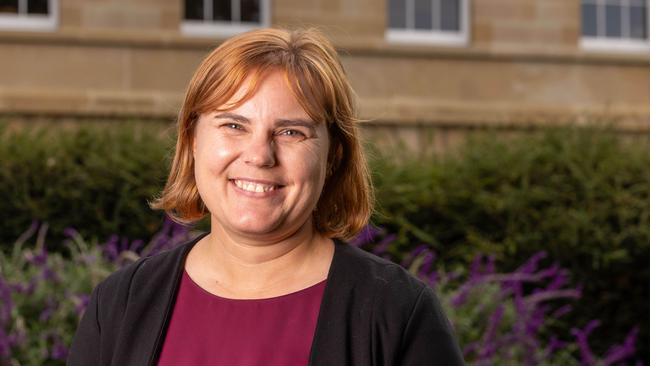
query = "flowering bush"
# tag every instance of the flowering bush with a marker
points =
(506, 318)
(500, 318)
(43, 294)
(580, 194)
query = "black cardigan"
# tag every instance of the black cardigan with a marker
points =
(373, 313)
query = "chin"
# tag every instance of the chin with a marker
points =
(256, 227)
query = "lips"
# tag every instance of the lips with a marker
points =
(255, 186)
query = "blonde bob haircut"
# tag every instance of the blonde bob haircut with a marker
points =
(315, 75)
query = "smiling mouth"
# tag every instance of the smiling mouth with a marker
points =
(255, 187)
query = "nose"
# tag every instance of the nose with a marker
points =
(260, 152)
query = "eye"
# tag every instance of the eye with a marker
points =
(291, 133)
(232, 126)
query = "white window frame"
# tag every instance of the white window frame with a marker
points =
(31, 22)
(458, 38)
(202, 28)
(611, 44)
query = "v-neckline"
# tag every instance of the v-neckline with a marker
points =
(178, 272)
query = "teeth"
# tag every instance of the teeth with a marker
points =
(253, 187)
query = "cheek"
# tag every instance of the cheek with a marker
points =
(213, 153)
(311, 165)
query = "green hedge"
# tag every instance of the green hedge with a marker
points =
(581, 195)
(95, 178)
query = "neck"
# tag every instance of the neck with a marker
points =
(251, 264)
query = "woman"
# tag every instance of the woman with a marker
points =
(268, 147)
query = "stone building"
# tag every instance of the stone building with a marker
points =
(451, 64)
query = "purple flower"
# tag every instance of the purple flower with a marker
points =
(5, 345)
(427, 263)
(408, 259)
(562, 310)
(71, 233)
(48, 275)
(531, 264)
(81, 302)
(582, 337)
(110, 248)
(493, 323)
(366, 236)
(383, 245)
(136, 245)
(475, 268)
(50, 307)
(6, 303)
(621, 352)
(168, 237)
(555, 345)
(59, 351)
(541, 296)
(38, 259)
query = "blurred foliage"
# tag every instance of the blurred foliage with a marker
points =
(581, 195)
(96, 178)
(497, 321)
(43, 294)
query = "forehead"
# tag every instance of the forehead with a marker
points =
(270, 88)
(270, 92)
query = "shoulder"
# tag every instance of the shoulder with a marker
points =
(145, 272)
(382, 276)
(403, 311)
(391, 291)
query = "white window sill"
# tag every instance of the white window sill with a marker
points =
(614, 45)
(441, 38)
(36, 23)
(215, 29)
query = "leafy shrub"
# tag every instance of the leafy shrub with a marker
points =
(507, 318)
(95, 177)
(582, 196)
(498, 320)
(43, 294)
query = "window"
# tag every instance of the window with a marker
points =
(615, 24)
(223, 17)
(30, 15)
(429, 21)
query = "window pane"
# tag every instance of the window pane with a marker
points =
(222, 10)
(613, 21)
(638, 22)
(194, 9)
(423, 14)
(450, 10)
(250, 11)
(397, 14)
(37, 6)
(8, 6)
(589, 19)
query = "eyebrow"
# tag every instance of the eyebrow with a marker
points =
(297, 122)
(233, 116)
(282, 122)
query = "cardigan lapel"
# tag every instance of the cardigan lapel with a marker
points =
(152, 291)
(344, 314)
(160, 297)
(169, 291)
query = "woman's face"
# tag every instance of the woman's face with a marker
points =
(260, 167)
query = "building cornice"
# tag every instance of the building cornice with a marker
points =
(366, 47)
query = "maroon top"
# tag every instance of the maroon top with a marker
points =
(206, 329)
